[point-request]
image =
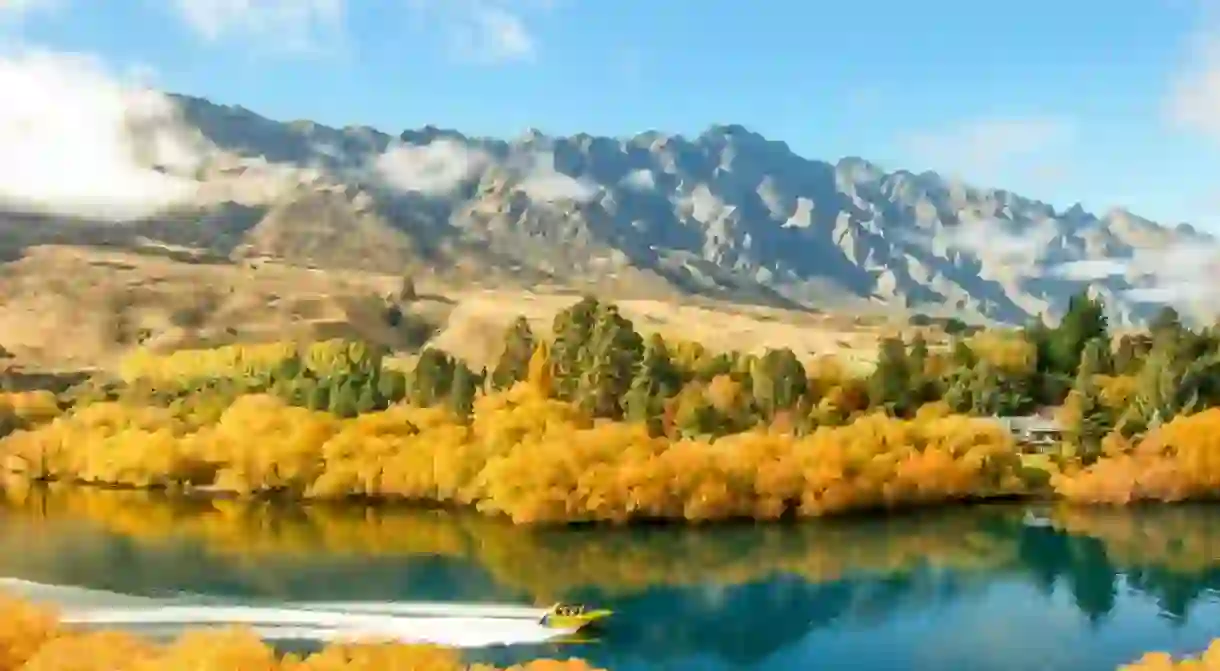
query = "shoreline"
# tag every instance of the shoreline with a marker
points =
(209, 493)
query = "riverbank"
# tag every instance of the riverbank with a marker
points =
(526, 457)
(533, 459)
(595, 425)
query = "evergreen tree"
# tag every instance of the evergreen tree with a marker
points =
(778, 382)
(611, 358)
(463, 390)
(368, 399)
(344, 400)
(392, 386)
(889, 386)
(572, 331)
(1096, 359)
(1167, 320)
(962, 355)
(1085, 320)
(1127, 358)
(318, 397)
(431, 380)
(513, 365)
(656, 380)
(1090, 425)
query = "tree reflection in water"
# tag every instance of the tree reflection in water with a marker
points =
(738, 594)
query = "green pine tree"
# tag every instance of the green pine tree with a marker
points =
(513, 365)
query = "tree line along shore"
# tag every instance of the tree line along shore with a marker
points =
(594, 423)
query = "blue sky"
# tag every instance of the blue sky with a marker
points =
(1114, 103)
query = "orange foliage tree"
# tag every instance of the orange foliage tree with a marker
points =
(528, 457)
(1179, 460)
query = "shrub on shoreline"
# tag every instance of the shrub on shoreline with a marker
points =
(527, 457)
(599, 424)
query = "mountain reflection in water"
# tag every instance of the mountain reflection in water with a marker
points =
(968, 588)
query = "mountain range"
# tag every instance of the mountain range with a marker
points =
(727, 214)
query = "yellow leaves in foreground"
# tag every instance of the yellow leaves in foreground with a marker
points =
(32, 640)
(530, 458)
(33, 407)
(1161, 661)
(1176, 462)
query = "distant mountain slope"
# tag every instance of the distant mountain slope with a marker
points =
(727, 213)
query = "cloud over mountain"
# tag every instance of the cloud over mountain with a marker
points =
(727, 213)
(76, 140)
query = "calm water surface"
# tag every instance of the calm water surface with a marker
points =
(981, 588)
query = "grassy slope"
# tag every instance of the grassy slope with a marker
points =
(73, 307)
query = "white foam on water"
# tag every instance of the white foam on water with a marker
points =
(425, 608)
(447, 624)
(66, 595)
(306, 624)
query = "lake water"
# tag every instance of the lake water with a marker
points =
(982, 588)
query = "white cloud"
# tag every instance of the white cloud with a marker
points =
(291, 24)
(486, 31)
(640, 180)
(76, 140)
(537, 177)
(433, 169)
(1091, 269)
(1194, 95)
(983, 150)
(439, 167)
(1001, 242)
(547, 185)
(498, 35)
(1181, 275)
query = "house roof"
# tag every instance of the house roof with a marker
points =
(1030, 423)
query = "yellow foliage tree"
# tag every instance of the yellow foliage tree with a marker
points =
(526, 456)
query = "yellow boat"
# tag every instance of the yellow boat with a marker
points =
(571, 616)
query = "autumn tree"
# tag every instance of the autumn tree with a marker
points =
(540, 375)
(691, 415)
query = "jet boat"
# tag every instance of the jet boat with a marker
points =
(573, 616)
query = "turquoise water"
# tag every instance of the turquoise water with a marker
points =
(981, 588)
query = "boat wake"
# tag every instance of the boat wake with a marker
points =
(447, 624)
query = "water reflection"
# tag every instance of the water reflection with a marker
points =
(938, 589)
